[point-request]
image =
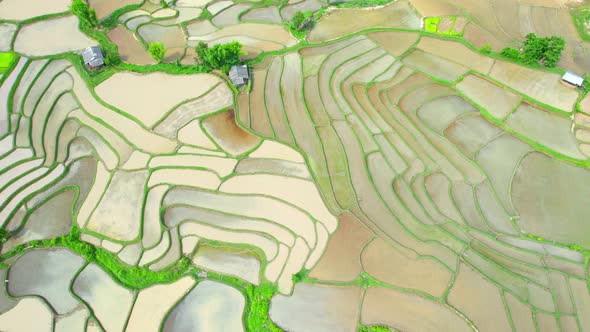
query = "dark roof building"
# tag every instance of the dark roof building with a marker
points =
(238, 75)
(93, 57)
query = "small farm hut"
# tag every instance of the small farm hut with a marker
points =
(93, 57)
(572, 79)
(238, 75)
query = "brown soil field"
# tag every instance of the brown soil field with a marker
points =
(104, 7)
(445, 24)
(130, 49)
(274, 102)
(341, 260)
(408, 312)
(479, 37)
(404, 269)
(435, 8)
(259, 121)
(327, 308)
(471, 292)
(543, 86)
(169, 36)
(546, 128)
(394, 42)
(340, 22)
(223, 129)
(521, 314)
(470, 133)
(565, 199)
(266, 14)
(434, 65)
(457, 52)
(493, 98)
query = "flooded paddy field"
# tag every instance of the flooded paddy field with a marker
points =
(370, 176)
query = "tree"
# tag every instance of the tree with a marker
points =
(297, 20)
(511, 53)
(546, 50)
(220, 56)
(157, 51)
(552, 55)
(86, 15)
(301, 21)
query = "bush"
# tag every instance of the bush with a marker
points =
(3, 234)
(511, 53)
(486, 48)
(110, 54)
(157, 51)
(86, 15)
(220, 56)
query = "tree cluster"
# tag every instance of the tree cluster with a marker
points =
(220, 56)
(86, 15)
(301, 21)
(535, 49)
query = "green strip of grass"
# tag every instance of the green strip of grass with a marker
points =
(374, 328)
(136, 278)
(6, 60)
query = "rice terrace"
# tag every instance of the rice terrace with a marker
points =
(295, 165)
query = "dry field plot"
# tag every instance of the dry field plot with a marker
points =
(400, 173)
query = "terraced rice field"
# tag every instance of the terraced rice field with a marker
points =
(374, 175)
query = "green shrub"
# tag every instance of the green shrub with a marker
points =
(220, 56)
(86, 15)
(3, 235)
(157, 51)
(511, 53)
(486, 48)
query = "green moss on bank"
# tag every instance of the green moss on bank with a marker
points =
(136, 278)
(6, 60)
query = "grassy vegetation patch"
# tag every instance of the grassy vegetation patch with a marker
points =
(257, 318)
(374, 328)
(6, 60)
(359, 3)
(434, 25)
(431, 24)
(136, 278)
(581, 18)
